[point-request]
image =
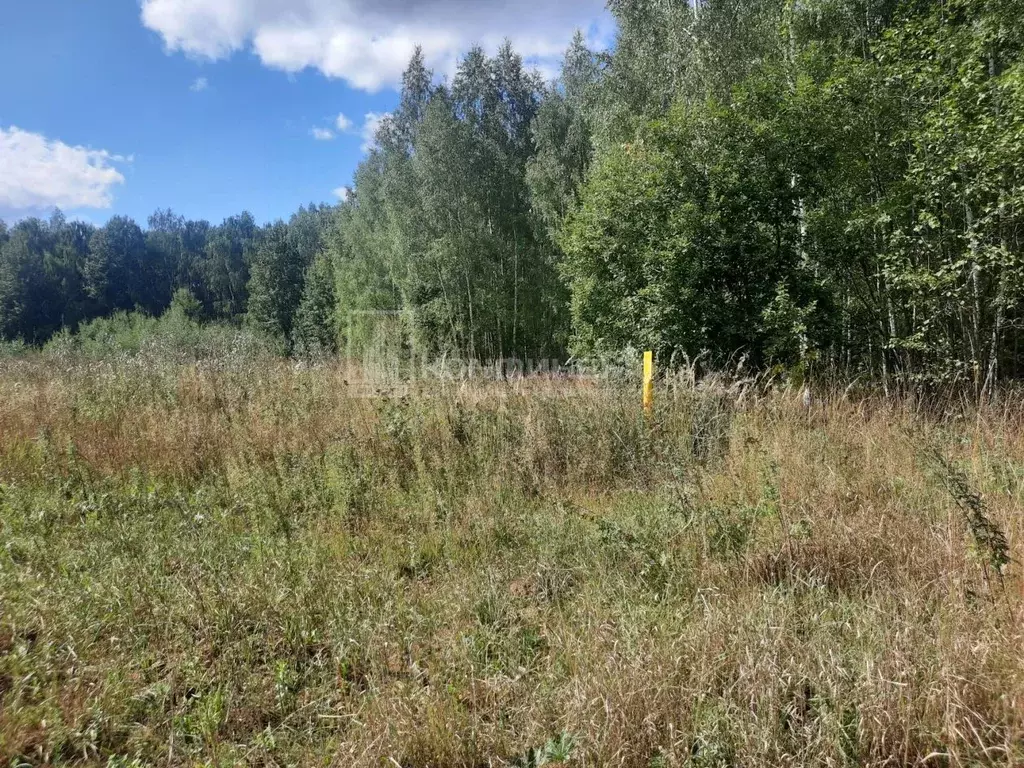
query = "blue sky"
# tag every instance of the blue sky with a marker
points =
(210, 107)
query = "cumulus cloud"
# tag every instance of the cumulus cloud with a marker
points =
(322, 134)
(342, 123)
(343, 193)
(38, 174)
(199, 84)
(366, 42)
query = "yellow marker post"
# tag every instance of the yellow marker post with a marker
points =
(648, 383)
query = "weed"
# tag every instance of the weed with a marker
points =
(988, 537)
(555, 751)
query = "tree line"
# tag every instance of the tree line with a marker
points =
(829, 183)
(58, 274)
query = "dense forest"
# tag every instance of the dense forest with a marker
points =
(826, 183)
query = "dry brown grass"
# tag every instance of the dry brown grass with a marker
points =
(262, 565)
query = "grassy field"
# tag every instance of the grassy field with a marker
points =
(268, 565)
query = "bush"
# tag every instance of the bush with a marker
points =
(173, 336)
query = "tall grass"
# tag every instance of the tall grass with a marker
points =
(268, 564)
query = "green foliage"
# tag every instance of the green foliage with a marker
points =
(681, 244)
(314, 329)
(225, 266)
(828, 184)
(113, 269)
(175, 335)
(441, 226)
(185, 304)
(954, 247)
(830, 181)
(276, 285)
(58, 274)
(563, 135)
(555, 751)
(23, 283)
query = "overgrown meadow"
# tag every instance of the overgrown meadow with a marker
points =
(251, 562)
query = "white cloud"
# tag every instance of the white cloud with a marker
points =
(38, 174)
(367, 42)
(322, 134)
(371, 123)
(199, 84)
(342, 123)
(343, 193)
